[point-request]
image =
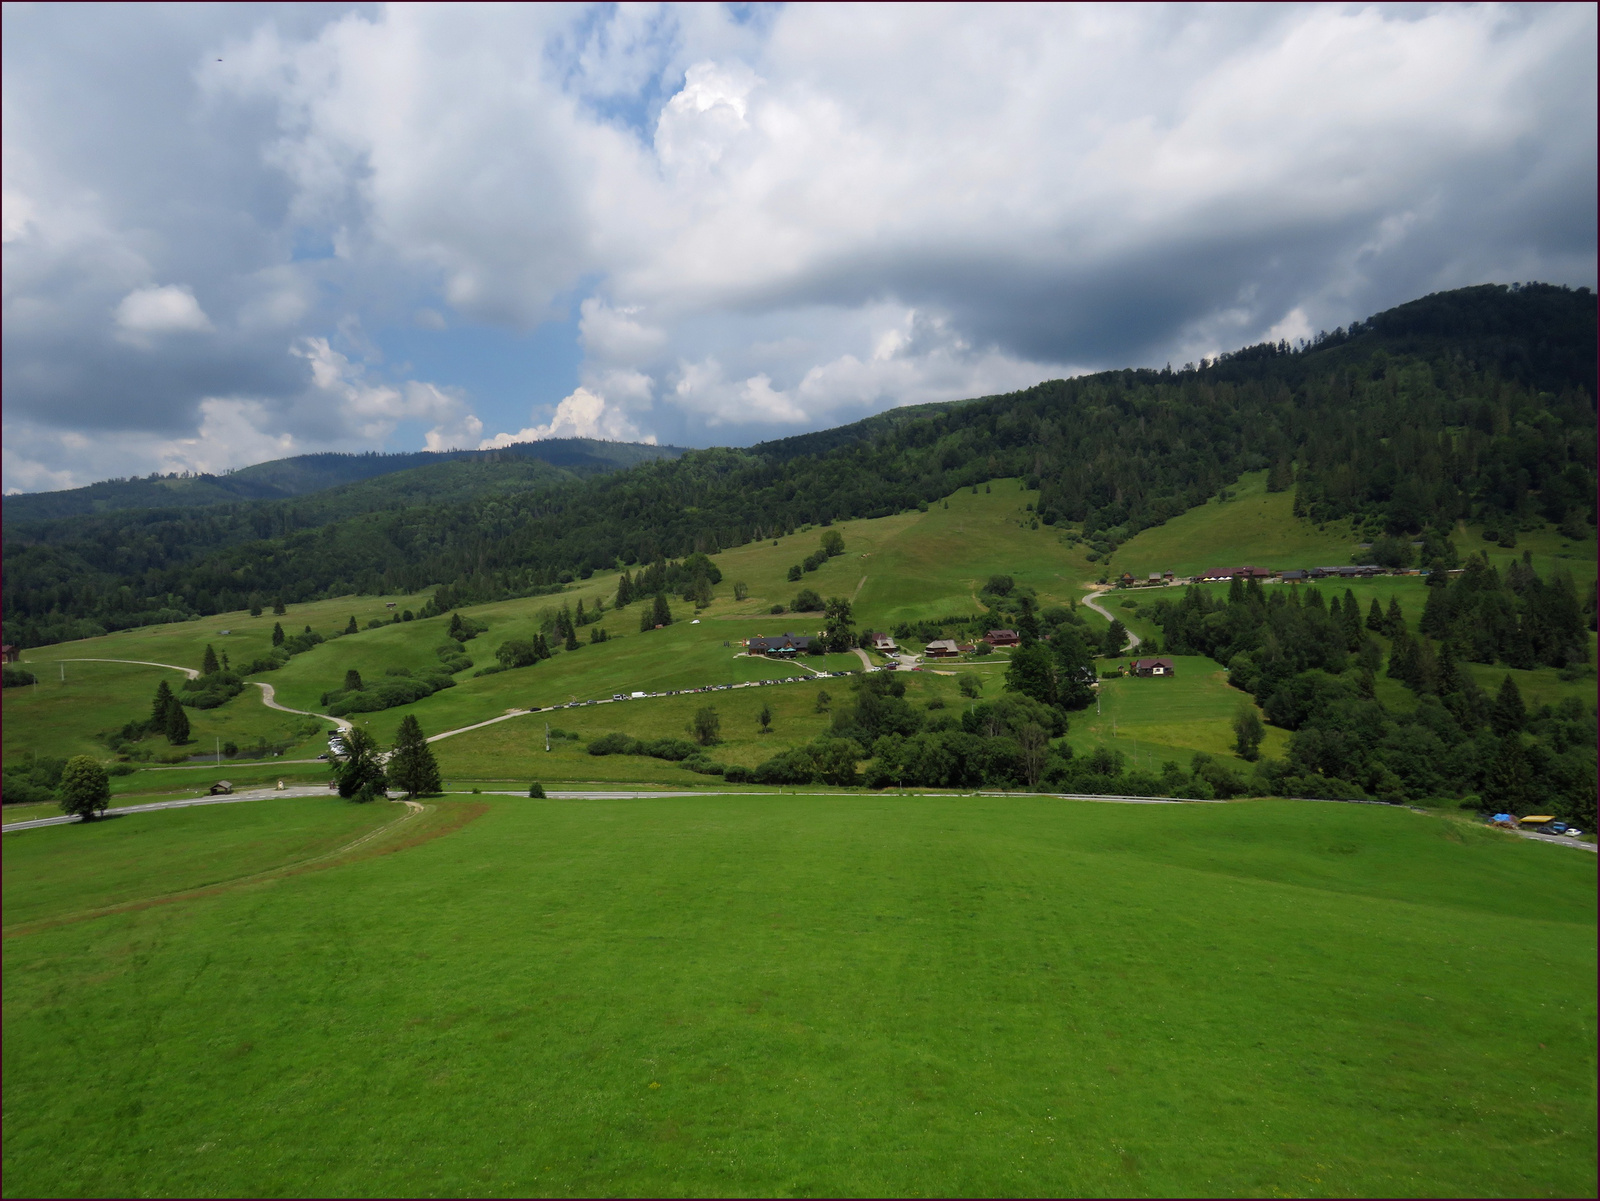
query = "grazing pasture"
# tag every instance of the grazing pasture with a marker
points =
(807, 995)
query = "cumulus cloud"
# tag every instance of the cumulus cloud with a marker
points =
(151, 311)
(747, 223)
(580, 415)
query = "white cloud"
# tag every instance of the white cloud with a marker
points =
(161, 310)
(580, 415)
(766, 220)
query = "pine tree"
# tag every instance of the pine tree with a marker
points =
(1402, 656)
(662, 613)
(455, 626)
(208, 663)
(161, 708)
(352, 680)
(624, 591)
(1510, 714)
(412, 766)
(1395, 621)
(277, 633)
(582, 618)
(572, 643)
(177, 730)
(1375, 619)
(542, 646)
(277, 607)
(351, 627)
(1280, 475)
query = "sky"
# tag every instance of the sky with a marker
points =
(235, 233)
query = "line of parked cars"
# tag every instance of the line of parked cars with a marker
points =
(623, 696)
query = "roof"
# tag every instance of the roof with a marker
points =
(943, 644)
(1160, 662)
(779, 642)
(1002, 634)
(1538, 819)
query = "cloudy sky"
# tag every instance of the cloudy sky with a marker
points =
(240, 232)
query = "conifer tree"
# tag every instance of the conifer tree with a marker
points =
(1395, 620)
(624, 591)
(351, 627)
(582, 618)
(208, 663)
(177, 730)
(277, 633)
(1510, 714)
(542, 646)
(1375, 619)
(572, 642)
(662, 613)
(412, 766)
(352, 680)
(161, 707)
(277, 607)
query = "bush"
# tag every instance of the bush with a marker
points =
(778, 609)
(807, 601)
(736, 775)
(536, 791)
(17, 677)
(614, 744)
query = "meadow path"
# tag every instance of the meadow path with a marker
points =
(267, 694)
(188, 671)
(1092, 600)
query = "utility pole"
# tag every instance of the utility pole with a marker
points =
(547, 736)
(63, 666)
(219, 750)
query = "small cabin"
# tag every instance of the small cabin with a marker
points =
(222, 788)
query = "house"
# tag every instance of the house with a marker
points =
(782, 646)
(942, 648)
(9, 653)
(1125, 580)
(1213, 575)
(1292, 577)
(1255, 573)
(966, 648)
(882, 643)
(1166, 577)
(222, 788)
(1002, 638)
(1153, 667)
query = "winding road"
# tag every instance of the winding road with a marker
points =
(267, 695)
(1093, 602)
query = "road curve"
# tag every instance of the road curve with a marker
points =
(188, 671)
(1091, 600)
(267, 694)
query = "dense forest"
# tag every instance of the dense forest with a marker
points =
(1475, 403)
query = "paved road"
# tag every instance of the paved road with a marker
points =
(1562, 839)
(260, 794)
(1093, 602)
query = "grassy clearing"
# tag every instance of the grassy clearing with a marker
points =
(820, 996)
(1152, 720)
(116, 860)
(1256, 527)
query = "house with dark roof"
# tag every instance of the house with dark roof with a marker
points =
(942, 648)
(781, 646)
(882, 643)
(1153, 667)
(1002, 638)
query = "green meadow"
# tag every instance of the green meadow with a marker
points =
(910, 567)
(799, 996)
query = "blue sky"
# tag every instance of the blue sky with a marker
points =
(239, 232)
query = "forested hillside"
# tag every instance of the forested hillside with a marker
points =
(1476, 403)
(306, 474)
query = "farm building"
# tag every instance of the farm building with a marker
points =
(881, 642)
(1002, 638)
(1153, 667)
(781, 646)
(10, 653)
(222, 788)
(942, 648)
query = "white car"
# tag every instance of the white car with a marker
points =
(1573, 833)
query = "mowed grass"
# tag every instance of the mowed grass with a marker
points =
(120, 859)
(1153, 720)
(819, 996)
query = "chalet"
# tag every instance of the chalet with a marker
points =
(1125, 580)
(1153, 667)
(1293, 577)
(942, 648)
(1166, 577)
(781, 646)
(882, 643)
(966, 648)
(1155, 578)
(1002, 638)
(9, 653)
(1213, 575)
(1255, 573)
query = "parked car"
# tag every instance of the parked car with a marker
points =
(1557, 827)
(1571, 833)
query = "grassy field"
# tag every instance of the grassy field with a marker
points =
(912, 566)
(805, 996)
